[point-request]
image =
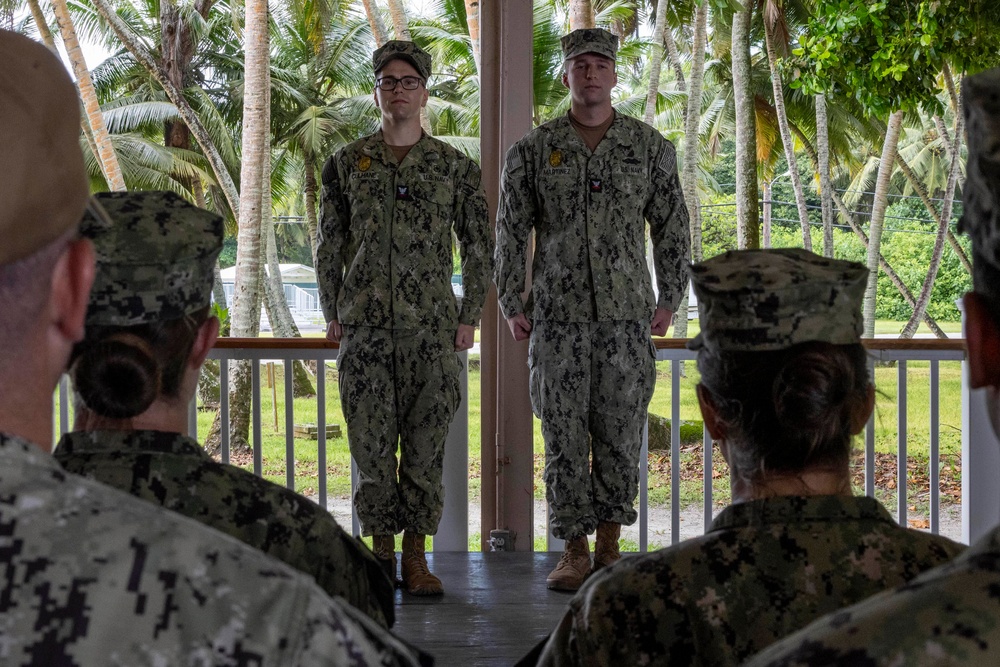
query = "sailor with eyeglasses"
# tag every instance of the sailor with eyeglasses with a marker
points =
(390, 206)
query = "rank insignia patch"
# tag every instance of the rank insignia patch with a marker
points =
(595, 185)
(403, 193)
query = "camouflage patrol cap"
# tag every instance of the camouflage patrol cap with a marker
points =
(980, 200)
(589, 40)
(408, 51)
(155, 256)
(773, 299)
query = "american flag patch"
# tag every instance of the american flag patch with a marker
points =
(513, 162)
(668, 161)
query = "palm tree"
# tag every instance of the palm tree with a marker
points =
(826, 186)
(879, 205)
(581, 14)
(109, 161)
(776, 37)
(747, 219)
(945, 219)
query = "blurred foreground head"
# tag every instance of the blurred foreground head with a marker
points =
(44, 187)
(45, 270)
(981, 221)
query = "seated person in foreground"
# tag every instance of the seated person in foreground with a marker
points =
(134, 375)
(91, 575)
(784, 387)
(950, 615)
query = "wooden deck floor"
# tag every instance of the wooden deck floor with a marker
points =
(494, 610)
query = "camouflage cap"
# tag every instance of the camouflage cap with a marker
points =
(589, 40)
(155, 257)
(980, 198)
(44, 188)
(408, 51)
(772, 299)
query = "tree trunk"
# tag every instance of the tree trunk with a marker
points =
(655, 62)
(581, 14)
(673, 56)
(245, 314)
(176, 96)
(400, 25)
(105, 151)
(747, 214)
(278, 313)
(689, 176)
(879, 205)
(379, 31)
(856, 228)
(311, 192)
(41, 23)
(767, 214)
(692, 120)
(786, 135)
(823, 145)
(935, 264)
(472, 20)
(921, 190)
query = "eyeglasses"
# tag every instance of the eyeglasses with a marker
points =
(409, 82)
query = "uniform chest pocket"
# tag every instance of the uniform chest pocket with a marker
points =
(428, 206)
(632, 184)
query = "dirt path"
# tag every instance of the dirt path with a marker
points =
(692, 521)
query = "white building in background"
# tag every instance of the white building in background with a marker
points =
(301, 293)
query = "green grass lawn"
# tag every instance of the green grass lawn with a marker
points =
(337, 473)
(338, 458)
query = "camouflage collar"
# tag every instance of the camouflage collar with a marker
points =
(617, 135)
(159, 442)
(799, 509)
(376, 148)
(13, 446)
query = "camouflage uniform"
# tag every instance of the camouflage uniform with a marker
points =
(591, 299)
(764, 569)
(93, 576)
(173, 471)
(950, 615)
(767, 566)
(384, 264)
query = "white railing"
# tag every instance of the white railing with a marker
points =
(980, 452)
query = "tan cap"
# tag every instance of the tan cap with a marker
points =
(589, 40)
(44, 187)
(408, 51)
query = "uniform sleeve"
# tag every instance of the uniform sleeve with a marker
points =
(331, 632)
(331, 239)
(515, 219)
(669, 229)
(475, 243)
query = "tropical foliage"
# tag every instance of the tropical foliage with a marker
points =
(862, 95)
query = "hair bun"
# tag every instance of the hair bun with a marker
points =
(117, 377)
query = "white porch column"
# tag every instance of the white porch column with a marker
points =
(980, 462)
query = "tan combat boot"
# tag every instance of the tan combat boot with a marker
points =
(384, 548)
(606, 546)
(573, 567)
(417, 579)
